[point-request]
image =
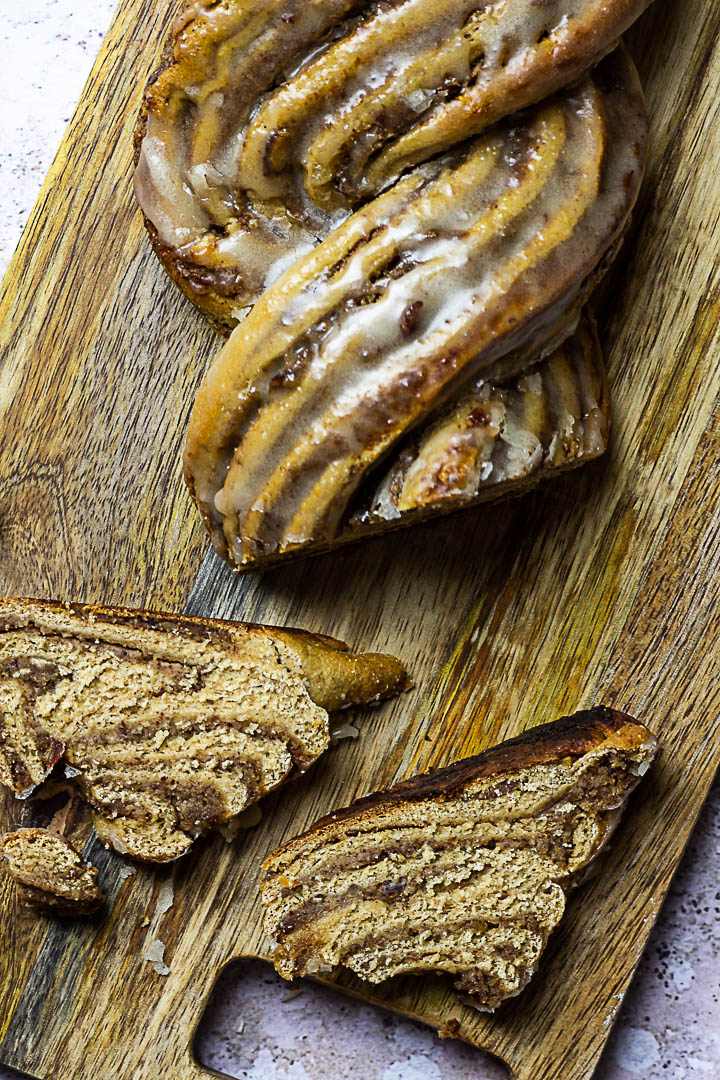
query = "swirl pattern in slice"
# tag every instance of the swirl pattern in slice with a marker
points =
(464, 870)
(267, 122)
(170, 725)
(469, 267)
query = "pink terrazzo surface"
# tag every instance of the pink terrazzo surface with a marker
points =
(256, 1028)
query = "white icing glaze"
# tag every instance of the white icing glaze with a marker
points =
(403, 303)
(296, 111)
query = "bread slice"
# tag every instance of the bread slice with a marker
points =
(267, 121)
(170, 725)
(50, 874)
(464, 870)
(470, 267)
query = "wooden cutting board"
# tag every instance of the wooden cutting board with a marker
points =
(601, 587)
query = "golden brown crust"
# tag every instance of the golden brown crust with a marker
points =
(336, 677)
(202, 291)
(570, 736)
(143, 618)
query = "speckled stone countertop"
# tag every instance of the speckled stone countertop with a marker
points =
(257, 1027)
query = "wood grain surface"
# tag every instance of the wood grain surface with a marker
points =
(599, 588)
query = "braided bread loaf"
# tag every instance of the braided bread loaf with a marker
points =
(269, 121)
(359, 173)
(468, 268)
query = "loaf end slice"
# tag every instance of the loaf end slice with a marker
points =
(50, 874)
(464, 870)
(170, 725)
(492, 442)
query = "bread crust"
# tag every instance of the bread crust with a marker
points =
(194, 626)
(569, 736)
(331, 669)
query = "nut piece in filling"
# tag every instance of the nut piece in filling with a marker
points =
(464, 870)
(50, 874)
(170, 725)
(268, 121)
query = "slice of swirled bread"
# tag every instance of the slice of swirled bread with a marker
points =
(49, 872)
(464, 870)
(170, 724)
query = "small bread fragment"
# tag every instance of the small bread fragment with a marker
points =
(464, 870)
(170, 725)
(50, 874)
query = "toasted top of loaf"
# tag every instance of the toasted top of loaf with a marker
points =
(170, 724)
(462, 870)
(266, 122)
(467, 268)
(50, 873)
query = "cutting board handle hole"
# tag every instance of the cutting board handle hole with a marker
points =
(254, 1020)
